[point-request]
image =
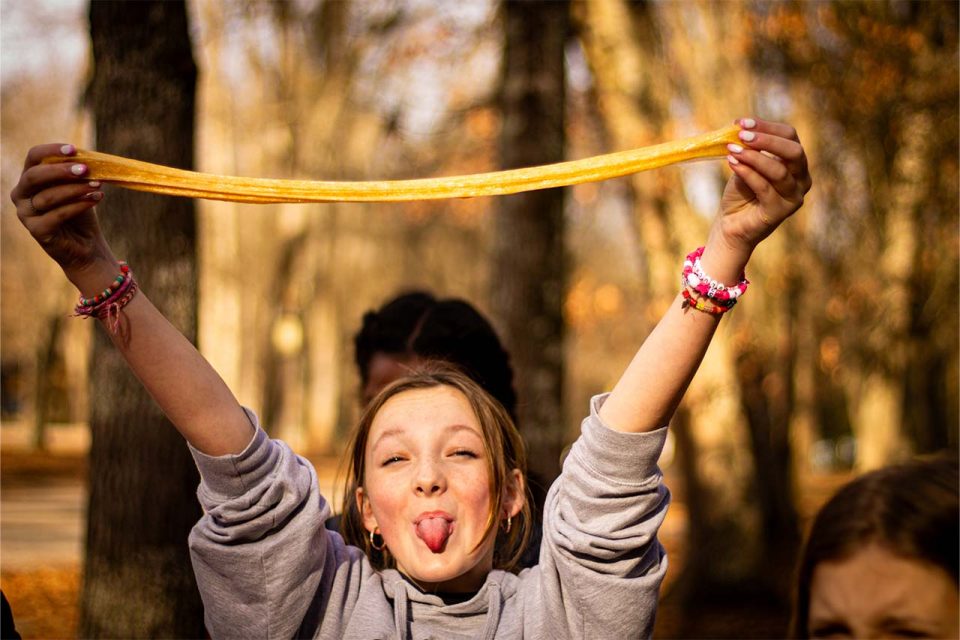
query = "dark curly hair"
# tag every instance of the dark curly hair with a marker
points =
(449, 330)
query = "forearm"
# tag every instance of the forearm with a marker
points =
(654, 382)
(188, 390)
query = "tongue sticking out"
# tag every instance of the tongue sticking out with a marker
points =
(434, 532)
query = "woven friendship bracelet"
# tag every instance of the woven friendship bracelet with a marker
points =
(144, 176)
(109, 302)
(114, 308)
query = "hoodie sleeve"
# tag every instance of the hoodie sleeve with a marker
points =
(260, 548)
(601, 564)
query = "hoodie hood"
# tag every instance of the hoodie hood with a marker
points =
(477, 617)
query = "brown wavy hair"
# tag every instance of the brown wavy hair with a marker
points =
(505, 452)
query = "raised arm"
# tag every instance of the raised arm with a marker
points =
(56, 204)
(770, 178)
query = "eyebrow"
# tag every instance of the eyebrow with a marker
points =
(825, 627)
(894, 622)
(399, 431)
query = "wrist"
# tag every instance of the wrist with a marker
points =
(724, 261)
(93, 277)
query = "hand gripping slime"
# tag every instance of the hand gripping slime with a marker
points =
(144, 176)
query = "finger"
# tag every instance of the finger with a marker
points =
(789, 150)
(779, 129)
(773, 170)
(43, 176)
(45, 226)
(766, 194)
(60, 195)
(38, 153)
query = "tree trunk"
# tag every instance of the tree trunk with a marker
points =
(880, 415)
(138, 581)
(46, 356)
(528, 261)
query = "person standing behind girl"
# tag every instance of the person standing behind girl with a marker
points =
(438, 467)
(415, 327)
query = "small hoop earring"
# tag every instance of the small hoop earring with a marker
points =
(378, 547)
(509, 524)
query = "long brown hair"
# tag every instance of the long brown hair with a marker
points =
(505, 452)
(913, 510)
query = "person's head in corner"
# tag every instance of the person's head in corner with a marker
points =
(881, 557)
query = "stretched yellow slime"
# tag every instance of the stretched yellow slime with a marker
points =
(144, 176)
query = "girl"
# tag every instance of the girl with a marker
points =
(437, 465)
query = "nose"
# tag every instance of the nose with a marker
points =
(429, 479)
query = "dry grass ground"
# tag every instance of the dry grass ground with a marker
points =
(44, 598)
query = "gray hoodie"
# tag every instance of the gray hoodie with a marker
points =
(267, 568)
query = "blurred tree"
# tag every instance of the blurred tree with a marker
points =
(138, 581)
(42, 363)
(883, 76)
(528, 263)
(737, 481)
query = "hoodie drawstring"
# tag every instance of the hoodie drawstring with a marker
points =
(493, 611)
(400, 610)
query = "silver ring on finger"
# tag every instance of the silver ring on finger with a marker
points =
(34, 208)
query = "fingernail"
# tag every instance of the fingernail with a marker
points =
(748, 136)
(748, 123)
(732, 160)
(68, 149)
(78, 169)
(94, 183)
(734, 148)
(95, 195)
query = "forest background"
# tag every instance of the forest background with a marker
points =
(843, 357)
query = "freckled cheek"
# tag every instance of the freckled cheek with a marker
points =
(388, 504)
(474, 497)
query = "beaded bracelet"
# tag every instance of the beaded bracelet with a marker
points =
(705, 294)
(693, 300)
(694, 278)
(109, 291)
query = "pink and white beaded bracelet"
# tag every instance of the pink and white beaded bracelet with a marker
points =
(699, 287)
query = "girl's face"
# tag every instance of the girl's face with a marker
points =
(426, 487)
(877, 594)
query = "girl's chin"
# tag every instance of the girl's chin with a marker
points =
(437, 574)
(432, 573)
(464, 583)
